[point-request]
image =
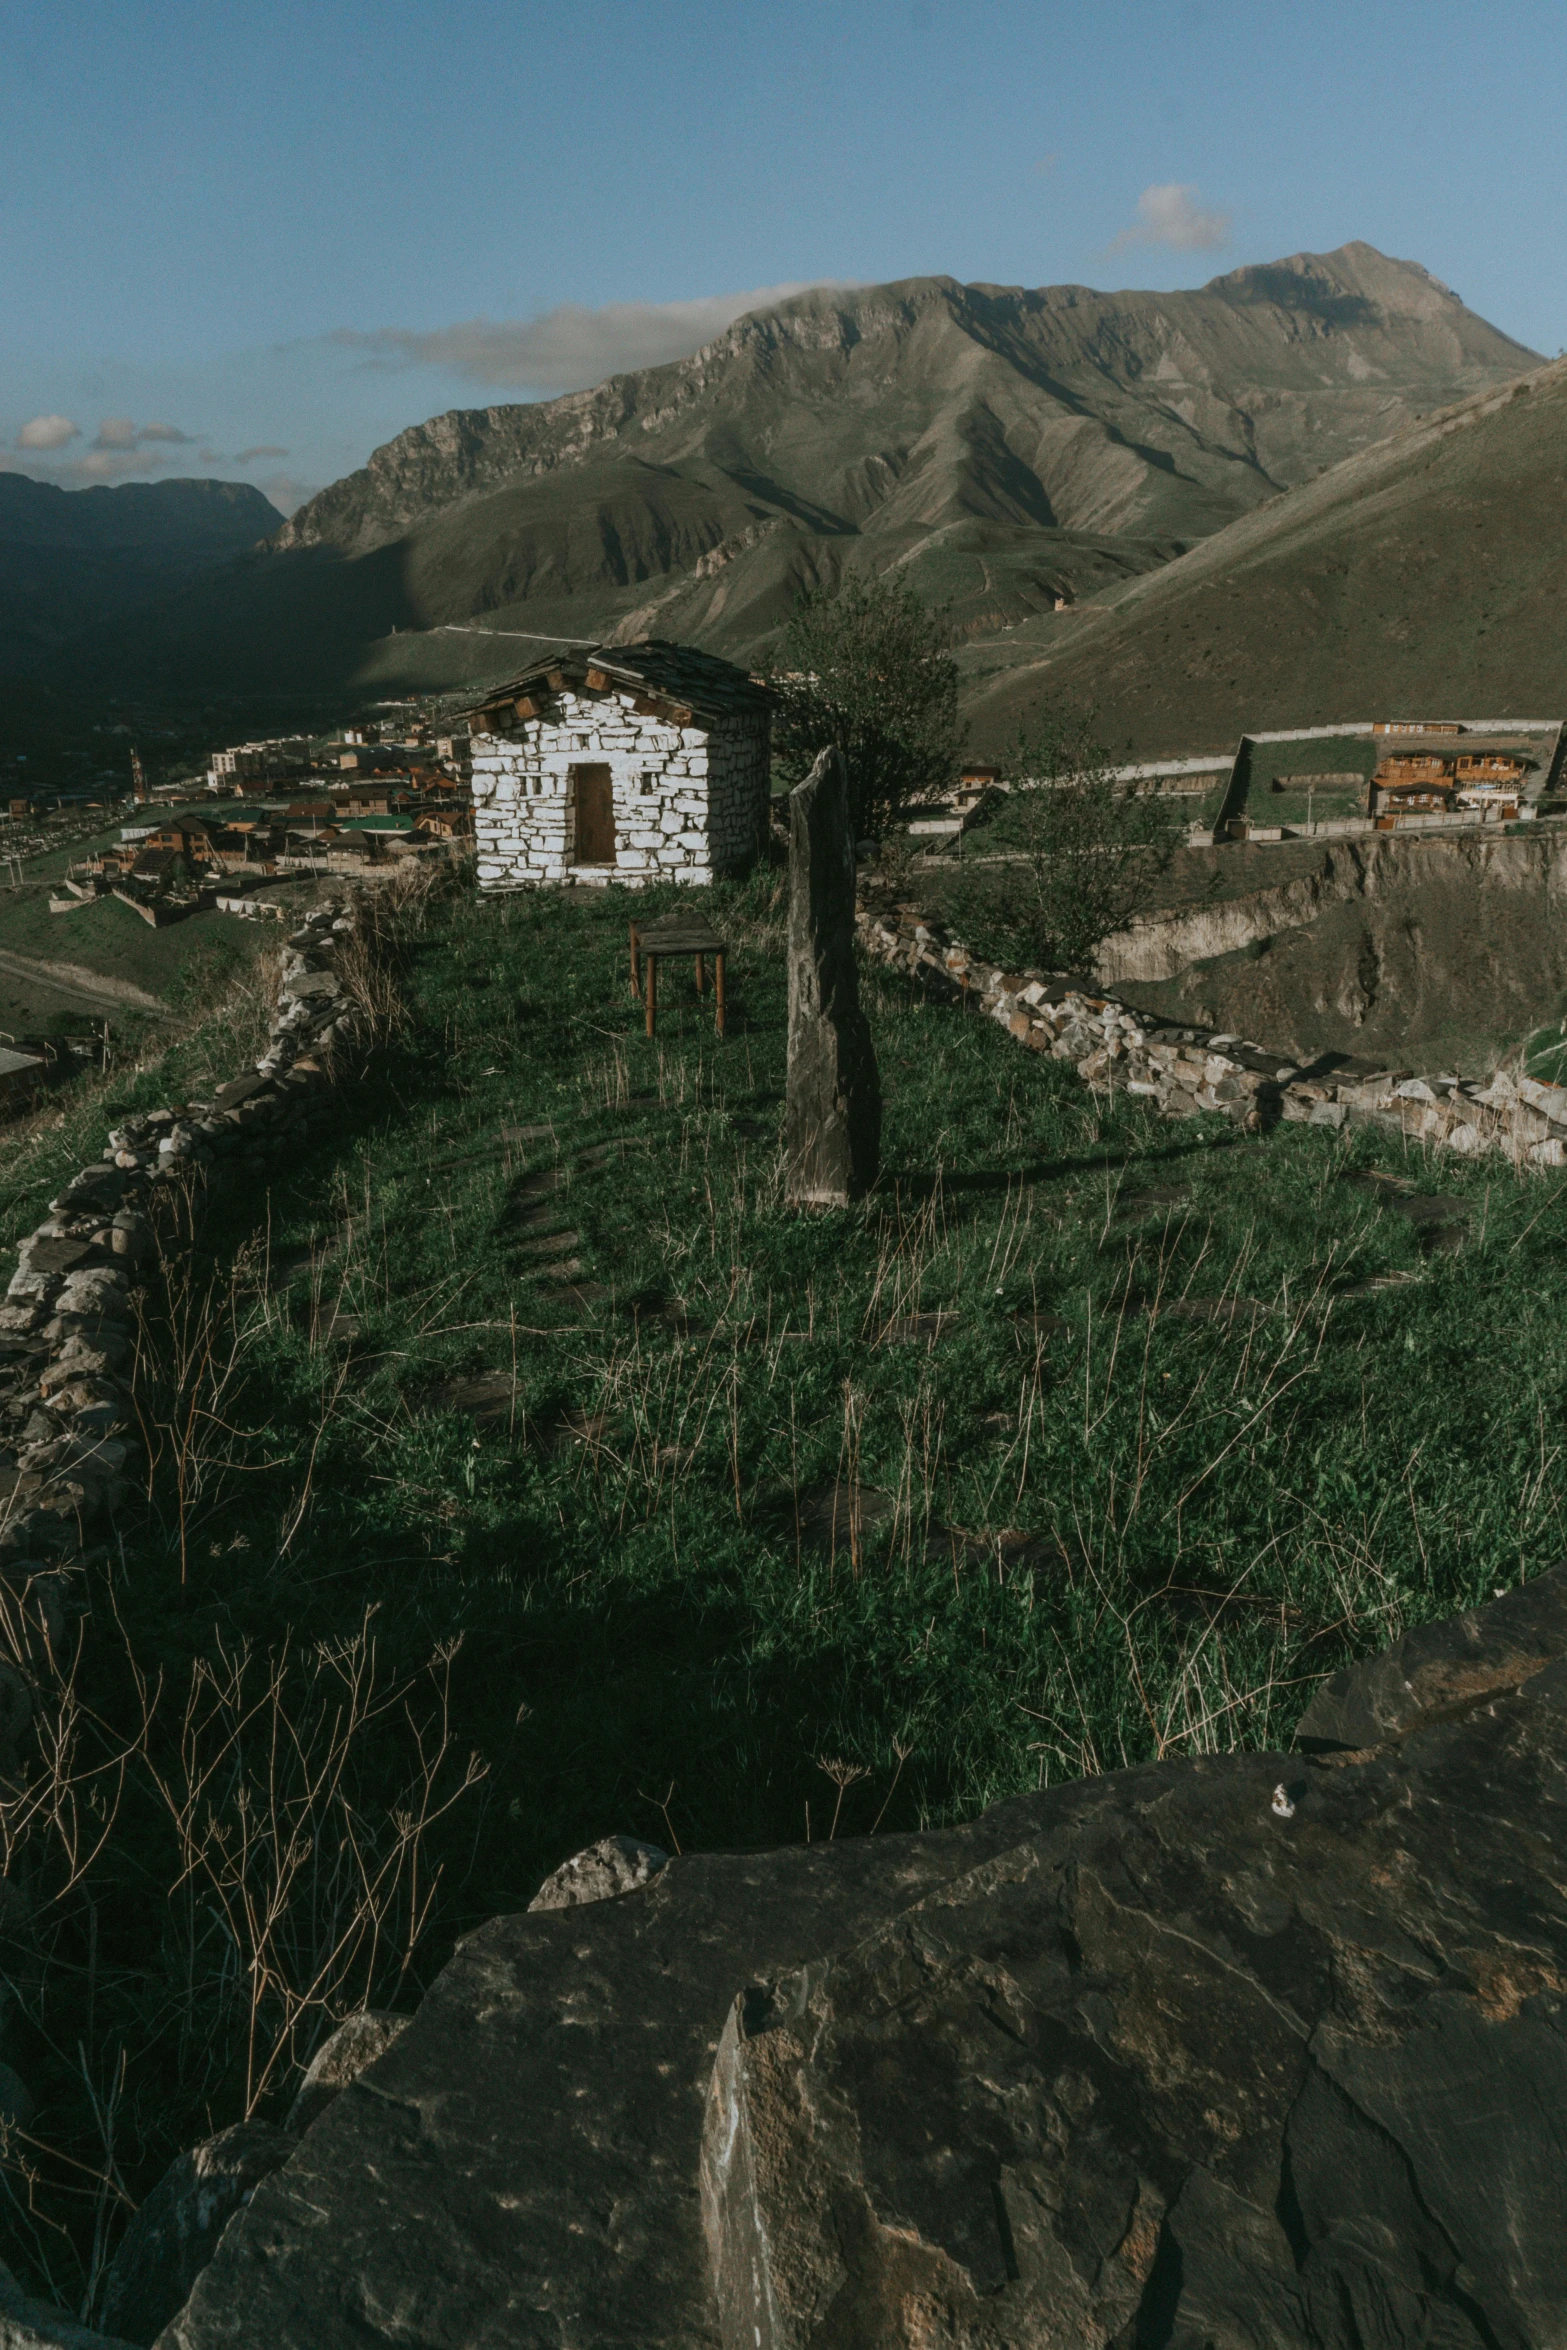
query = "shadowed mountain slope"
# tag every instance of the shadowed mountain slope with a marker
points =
(1422, 577)
(1005, 445)
(72, 559)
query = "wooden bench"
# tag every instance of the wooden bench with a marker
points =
(653, 942)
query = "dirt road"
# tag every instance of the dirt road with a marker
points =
(81, 989)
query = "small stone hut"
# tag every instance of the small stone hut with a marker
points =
(629, 763)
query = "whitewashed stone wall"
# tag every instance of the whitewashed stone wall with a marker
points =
(690, 802)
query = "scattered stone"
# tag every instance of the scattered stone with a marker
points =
(485, 1395)
(604, 1871)
(1132, 1204)
(1211, 1309)
(337, 1328)
(832, 1115)
(1037, 1326)
(576, 1427)
(341, 2058)
(917, 1329)
(584, 1294)
(839, 1515)
(177, 2230)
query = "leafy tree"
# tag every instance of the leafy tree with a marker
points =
(865, 666)
(1083, 853)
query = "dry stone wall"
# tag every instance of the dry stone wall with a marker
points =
(689, 801)
(1183, 1071)
(67, 1322)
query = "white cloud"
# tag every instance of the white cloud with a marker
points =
(261, 449)
(47, 432)
(118, 432)
(1171, 215)
(564, 349)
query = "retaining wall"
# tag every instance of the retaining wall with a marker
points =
(68, 1450)
(1182, 1072)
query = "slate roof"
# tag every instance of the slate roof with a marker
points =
(710, 687)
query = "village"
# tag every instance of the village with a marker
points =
(352, 806)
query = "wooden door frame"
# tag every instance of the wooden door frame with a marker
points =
(597, 768)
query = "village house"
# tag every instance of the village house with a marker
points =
(1481, 783)
(628, 763)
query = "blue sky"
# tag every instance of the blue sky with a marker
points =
(258, 240)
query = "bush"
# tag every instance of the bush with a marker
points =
(1085, 854)
(865, 666)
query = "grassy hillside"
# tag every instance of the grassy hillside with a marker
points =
(103, 961)
(1005, 443)
(1417, 579)
(1149, 1426)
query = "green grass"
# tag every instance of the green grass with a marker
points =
(1224, 1508)
(1127, 1532)
(107, 938)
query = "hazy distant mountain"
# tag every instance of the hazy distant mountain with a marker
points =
(1422, 577)
(73, 559)
(1001, 445)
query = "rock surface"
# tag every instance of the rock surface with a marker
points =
(832, 1117)
(1254, 2051)
(178, 2228)
(615, 1865)
(1231, 2062)
(354, 2046)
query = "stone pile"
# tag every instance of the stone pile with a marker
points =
(1184, 1071)
(67, 1323)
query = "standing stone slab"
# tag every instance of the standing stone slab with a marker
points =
(832, 1124)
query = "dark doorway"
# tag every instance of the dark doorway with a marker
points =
(593, 799)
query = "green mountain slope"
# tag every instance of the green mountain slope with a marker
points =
(73, 559)
(1004, 444)
(1419, 578)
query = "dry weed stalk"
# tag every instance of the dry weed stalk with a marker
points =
(192, 1331)
(320, 1901)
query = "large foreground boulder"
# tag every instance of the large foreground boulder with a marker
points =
(1249, 2051)
(1239, 2059)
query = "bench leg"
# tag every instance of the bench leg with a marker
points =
(636, 974)
(652, 989)
(701, 976)
(718, 990)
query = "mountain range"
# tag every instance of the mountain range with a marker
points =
(72, 561)
(1007, 449)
